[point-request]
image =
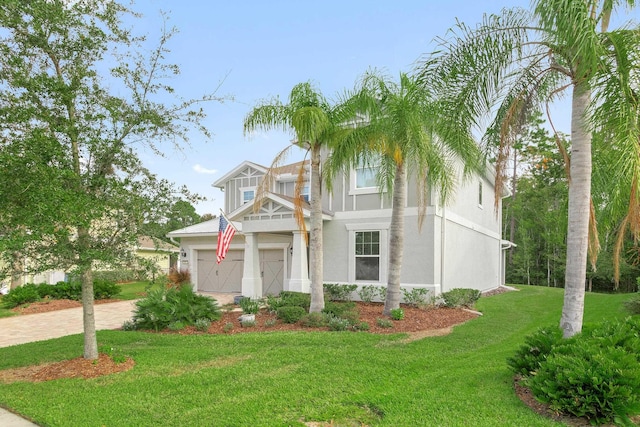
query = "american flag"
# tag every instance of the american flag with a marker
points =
(226, 231)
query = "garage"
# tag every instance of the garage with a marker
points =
(223, 277)
(227, 276)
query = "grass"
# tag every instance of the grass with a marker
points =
(285, 378)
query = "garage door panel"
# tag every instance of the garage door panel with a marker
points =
(272, 269)
(223, 277)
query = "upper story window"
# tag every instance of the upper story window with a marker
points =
(366, 177)
(363, 178)
(248, 194)
(305, 194)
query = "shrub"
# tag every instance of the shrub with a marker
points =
(118, 276)
(227, 327)
(633, 305)
(362, 326)
(535, 350)
(460, 297)
(338, 292)
(600, 383)
(344, 310)
(273, 303)
(384, 323)
(338, 324)
(21, 295)
(128, 325)
(162, 307)
(176, 326)
(103, 289)
(62, 290)
(595, 374)
(291, 314)
(314, 320)
(269, 323)
(367, 293)
(415, 296)
(382, 292)
(295, 299)
(397, 314)
(249, 306)
(248, 323)
(202, 324)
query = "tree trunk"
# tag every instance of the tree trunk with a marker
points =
(16, 270)
(578, 218)
(315, 241)
(512, 225)
(396, 240)
(88, 314)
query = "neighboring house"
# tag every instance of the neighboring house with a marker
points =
(159, 254)
(162, 255)
(459, 245)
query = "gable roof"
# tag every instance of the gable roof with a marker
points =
(206, 229)
(219, 183)
(150, 244)
(286, 201)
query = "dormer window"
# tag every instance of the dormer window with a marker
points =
(248, 194)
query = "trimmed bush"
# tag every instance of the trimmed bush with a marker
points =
(295, 299)
(105, 289)
(163, 307)
(338, 324)
(21, 295)
(343, 310)
(461, 297)
(397, 314)
(291, 314)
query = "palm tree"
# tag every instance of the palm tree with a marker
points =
(402, 133)
(521, 60)
(314, 123)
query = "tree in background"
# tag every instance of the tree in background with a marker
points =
(519, 60)
(536, 211)
(401, 133)
(78, 96)
(181, 214)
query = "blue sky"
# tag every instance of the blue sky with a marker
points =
(261, 49)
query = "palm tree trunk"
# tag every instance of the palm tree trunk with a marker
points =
(396, 240)
(579, 198)
(315, 242)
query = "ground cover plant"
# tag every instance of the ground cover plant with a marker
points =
(292, 378)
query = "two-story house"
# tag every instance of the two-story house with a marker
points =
(459, 245)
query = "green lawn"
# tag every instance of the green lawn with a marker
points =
(283, 379)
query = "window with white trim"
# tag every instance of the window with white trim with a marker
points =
(363, 178)
(248, 194)
(367, 255)
(305, 194)
(480, 193)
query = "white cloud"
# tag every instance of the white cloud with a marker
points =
(201, 169)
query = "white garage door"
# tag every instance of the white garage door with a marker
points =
(223, 277)
(272, 269)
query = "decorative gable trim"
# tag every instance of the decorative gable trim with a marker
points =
(239, 170)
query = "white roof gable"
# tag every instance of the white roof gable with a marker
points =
(223, 180)
(207, 228)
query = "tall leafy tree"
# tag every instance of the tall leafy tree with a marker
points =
(315, 122)
(400, 130)
(520, 59)
(78, 96)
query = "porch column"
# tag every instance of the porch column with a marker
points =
(251, 278)
(299, 280)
